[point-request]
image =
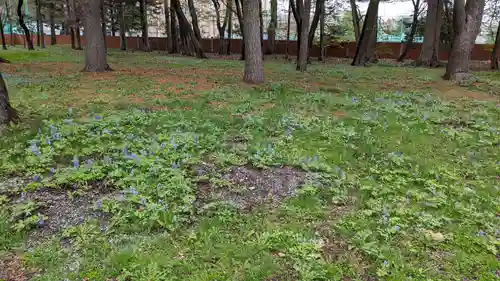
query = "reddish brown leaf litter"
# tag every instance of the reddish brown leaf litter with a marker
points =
(250, 187)
(13, 269)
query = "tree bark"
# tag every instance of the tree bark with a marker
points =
(166, 5)
(173, 29)
(95, 51)
(365, 43)
(7, 113)
(229, 26)
(314, 23)
(288, 29)
(4, 44)
(496, 50)
(144, 25)
(39, 27)
(194, 20)
(322, 33)
(187, 31)
(53, 37)
(414, 23)
(241, 21)
(261, 28)
(271, 29)
(71, 22)
(123, 27)
(372, 49)
(79, 37)
(355, 20)
(23, 25)
(297, 9)
(112, 19)
(253, 61)
(103, 24)
(467, 23)
(304, 38)
(221, 27)
(429, 55)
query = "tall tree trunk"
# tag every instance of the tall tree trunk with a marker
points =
(372, 49)
(187, 31)
(71, 21)
(166, 5)
(297, 9)
(79, 38)
(496, 50)
(53, 37)
(194, 20)
(414, 23)
(11, 23)
(221, 27)
(314, 23)
(467, 23)
(123, 27)
(229, 26)
(95, 51)
(144, 25)
(304, 48)
(322, 33)
(365, 43)
(253, 60)
(20, 15)
(39, 26)
(7, 113)
(112, 19)
(173, 29)
(271, 29)
(241, 21)
(355, 20)
(4, 44)
(429, 55)
(288, 29)
(261, 28)
(103, 24)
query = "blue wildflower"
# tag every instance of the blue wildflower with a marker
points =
(426, 115)
(99, 204)
(41, 221)
(174, 146)
(386, 262)
(125, 151)
(75, 162)
(36, 178)
(56, 136)
(98, 117)
(175, 165)
(23, 196)
(35, 150)
(106, 131)
(88, 163)
(269, 148)
(196, 139)
(52, 171)
(354, 100)
(481, 233)
(397, 228)
(47, 140)
(132, 171)
(142, 200)
(133, 191)
(316, 158)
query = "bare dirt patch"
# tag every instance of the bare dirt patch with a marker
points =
(452, 91)
(250, 187)
(12, 269)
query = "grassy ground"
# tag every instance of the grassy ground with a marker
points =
(398, 170)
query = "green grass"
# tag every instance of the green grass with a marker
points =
(402, 180)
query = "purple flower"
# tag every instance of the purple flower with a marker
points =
(175, 165)
(23, 196)
(36, 178)
(131, 172)
(41, 221)
(397, 228)
(174, 146)
(125, 151)
(386, 262)
(56, 136)
(70, 110)
(106, 131)
(35, 150)
(142, 200)
(99, 204)
(354, 100)
(98, 117)
(75, 162)
(481, 233)
(52, 171)
(88, 163)
(316, 158)
(133, 191)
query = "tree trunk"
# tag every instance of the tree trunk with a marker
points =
(221, 27)
(414, 23)
(314, 23)
(168, 32)
(241, 21)
(429, 55)
(79, 38)
(304, 41)
(144, 25)
(7, 113)
(11, 23)
(103, 24)
(187, 31)
(261, 28)
(372, 49)
(173, 29)
(496, 50)
(123, 27)
(112, 19)
(4, 44)
(355, 20)
(39, 27)
(23, 25)
(71, 22)
(271, 29)
(229, 26)
(365, 43)
(467, 23)
(297, 9)
(194, 20)
(288, 29)
(253, 61)
(95, 51)
(53, 37)
(322, 33)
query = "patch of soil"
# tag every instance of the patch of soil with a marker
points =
(12, 269)
(288, 274)
(452, 91)
(250, 187)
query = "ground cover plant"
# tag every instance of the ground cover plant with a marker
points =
(169, 168)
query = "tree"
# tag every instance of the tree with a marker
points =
(4, 45)
(52, 22)
(305, 8)
(186, 31)
(166, 5)
(429, 55)
(288, 29)
(355, 20)
(221, 26)
(253, 52)
(95, 51)
(467, 23)
(23, 25)
(173, 28)
(322, 33)
(40, 42)
(229, 13)
(241, 22)
(7, 113)
(315, 21)
(271, 29)
(194, 20)
(417, 10)
(144, 25)
(123, 27)
(365, 46)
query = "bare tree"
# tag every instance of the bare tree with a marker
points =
(173, 28)
(315, 21)
(229, 13)
(7, 113)
(355, 19)
(52, 22)
(288, 28)
(271, 29)
(322, 33)
(103, 24)
(429, 55)
(144, 25)
(166, 4)
(365, 46)
(4, 44)
(95, 51)
(194, 20)
(417, 10)
(305, 8)
(187, 31)
(23, 25)
(467, 23)
(496, 50)
(123, 26)
(253, 51)
(221, 25)
(241, 21)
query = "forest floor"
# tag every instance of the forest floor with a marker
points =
(170, 168)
